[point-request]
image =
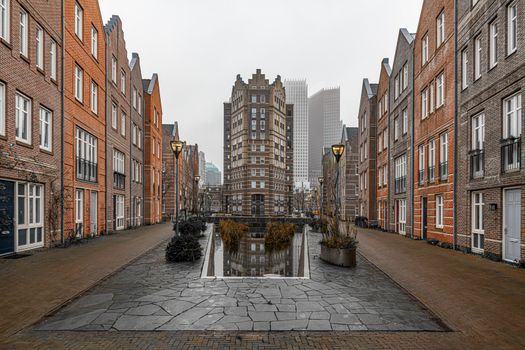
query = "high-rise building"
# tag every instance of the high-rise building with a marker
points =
(297, 95)
(257, 152)
(213, 175)
(324, 127)
(202, 168)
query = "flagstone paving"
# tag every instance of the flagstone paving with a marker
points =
(151, 294)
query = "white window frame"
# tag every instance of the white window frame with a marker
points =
(424, 103)
(402, 215)
(79, 206)
(477, 57)
(443, 152)
(396, 128)
(404, 113)
(478, 227)
(79, 83)
(134, 98)
(478, 132)
(53, 59)
(432, 159)
(79, 21)
(24, 32)
(119, 162)
(424, 49)
(464, 68)
(30, 205)
(119, 212)
(114, 70)
(39, 40)
(405, 76)
(440, 215)
(2, 108)
(421, 151)
(94, 42)
(440, 90)
(122, 123)
(512, 27)
(123, 81)
(512, 116)
(94, 97)
(5, 16)
(440, 29)
(114, 116)
(46, 129)
(23, 118)
(493, 44)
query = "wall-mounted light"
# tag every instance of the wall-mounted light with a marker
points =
(493, 206)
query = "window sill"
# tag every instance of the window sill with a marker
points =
(46, 151)
(24, 144)
(41, 71)
(6, 43)
(25, 58)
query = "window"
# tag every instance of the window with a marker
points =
(94, 97)
(385, 139)
(52, 59)
(23, 119)
(114, 116)
(114, 69)
(119, 212)
(512, 27)
(86, 156)
(402, 215)
(153, 144)
(263, 112)
(123, 124)
(493, 44)
(254, 184)
(424, 104)
(440, 29)
(134, 98)
(439, 211)
(405, 121)
(478, 132)
(400, 174)
(443, 155)
(431, 160)
(396, 128)
(139, 105)
(405, 76)
(477, 58)
(440, 90)
(30, 211)
(23, 32)
(431, 98)
(158, 149)
(118, 169)
(123, 82)
(254, 98)
(79, 205)
(254, 124)
(39, 48)
(4, 19)
(79, 13)
(46, 129)
(139, 139)
(134, 134)
(396, 86)
(2, 108)
(478, 228)
(424, 49)
(79, 81)
(512, 117)
(154, 116)
(464, 69)
(94, 42)
(263, 98)
(380, 176)
(254, 113)
(421, 167)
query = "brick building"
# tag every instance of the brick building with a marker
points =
(329, 190)
(400, 147)
(227, 198)
(118, 127)
(434, 121)
(170, 132)
(349, 176)
(256, 166)
(136, 192)
(30, 124)
(84, 120)
(152, 151)
(367, 151)
(383, 188)
(189, 187)
(491, 176)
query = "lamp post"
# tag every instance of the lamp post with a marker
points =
(337, 151)
(321, 180)
(197, 179)
(176, 147)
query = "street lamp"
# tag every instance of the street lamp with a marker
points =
(197, 178)
(176, 147)
(337, 151)
(321, 180)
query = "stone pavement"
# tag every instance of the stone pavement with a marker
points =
(33, 286)
(151, 294)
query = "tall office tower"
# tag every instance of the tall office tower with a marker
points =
(213, 175)
(202, 168)
(324, 128)
(297, 94)
(257, 149)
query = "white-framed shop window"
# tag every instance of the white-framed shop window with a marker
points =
(30, 212)
(478, 228)
(402, 215)
(119, 212)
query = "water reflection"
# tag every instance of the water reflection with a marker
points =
(253, 259)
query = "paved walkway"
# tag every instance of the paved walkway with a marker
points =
(33, 286)
(151, 294)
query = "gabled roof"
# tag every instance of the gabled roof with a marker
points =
(387, 67)
(112, 23)
(134, 60)
(149, 84)
(408, 36)
(371, 89)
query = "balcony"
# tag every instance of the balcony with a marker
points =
(477, 163)
(443, 171)
(431, 173)
(86, 170)
(421, 177)
(119, 181)
(400, 184)
(511, 155)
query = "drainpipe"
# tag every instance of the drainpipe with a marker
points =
(455, 123)
(62, 75)
(106, 139)
(412, 146)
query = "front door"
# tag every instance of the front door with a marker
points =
(424, 218)
(7, 213)
(512, 225)
(94, 210)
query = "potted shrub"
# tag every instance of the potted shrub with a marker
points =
(339, 244)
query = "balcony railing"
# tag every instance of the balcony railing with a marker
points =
(511, 154)
(119, 181)
(400, 184)
(477, 163)
(421, 177)
(86, 170)
(443, 171)
(431, 173)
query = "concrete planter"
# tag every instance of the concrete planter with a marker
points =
(339, 257)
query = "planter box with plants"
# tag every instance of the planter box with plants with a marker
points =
(339, 244)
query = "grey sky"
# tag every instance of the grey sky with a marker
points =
(199, 46)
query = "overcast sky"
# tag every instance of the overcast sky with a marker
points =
(199, 46)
